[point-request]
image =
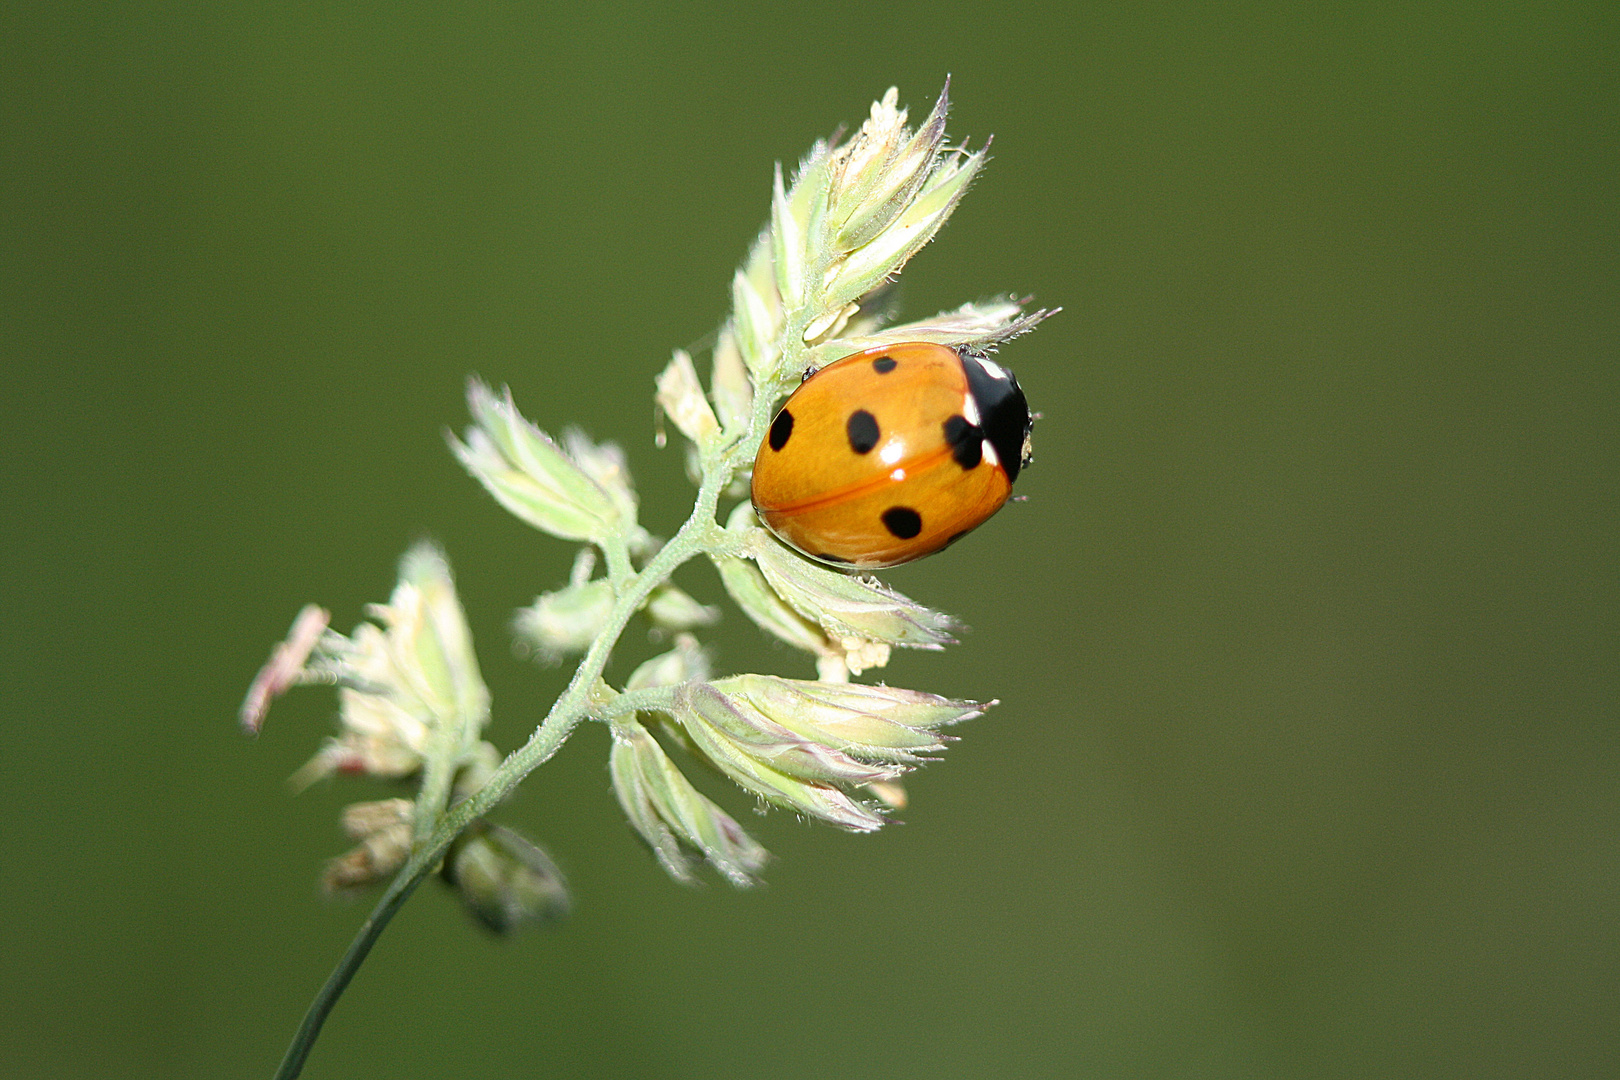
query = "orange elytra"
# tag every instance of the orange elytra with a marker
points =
(890, 454)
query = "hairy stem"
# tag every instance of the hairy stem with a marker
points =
(698, 534)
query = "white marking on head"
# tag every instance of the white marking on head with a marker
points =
(991, 368)
(990, 453)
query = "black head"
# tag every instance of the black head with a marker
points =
(1003, 412)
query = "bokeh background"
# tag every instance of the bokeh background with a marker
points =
(1306, 637)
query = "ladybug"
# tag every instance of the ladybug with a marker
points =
(890, 454)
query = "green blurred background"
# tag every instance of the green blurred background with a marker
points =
(1306, 636)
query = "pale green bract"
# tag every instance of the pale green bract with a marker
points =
(531, 476)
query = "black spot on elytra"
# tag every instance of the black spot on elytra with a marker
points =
(781, 428)
(902, 521)
(884, 364)
(967, 442)
(863, 431)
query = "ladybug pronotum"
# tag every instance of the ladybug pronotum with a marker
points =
(888, 455)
